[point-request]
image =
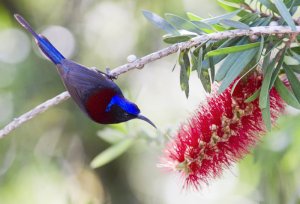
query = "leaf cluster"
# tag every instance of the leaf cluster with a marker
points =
(225, 61)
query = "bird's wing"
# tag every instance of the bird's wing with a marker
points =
(81, 81)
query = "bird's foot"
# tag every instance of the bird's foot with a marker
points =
(109, 75)
(106, 73)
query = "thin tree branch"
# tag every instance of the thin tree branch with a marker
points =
(34, 112)
(139, 63)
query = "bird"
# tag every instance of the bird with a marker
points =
(93, 91)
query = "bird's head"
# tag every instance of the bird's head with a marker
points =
(125, 110)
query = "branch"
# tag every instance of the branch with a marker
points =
(139, 63)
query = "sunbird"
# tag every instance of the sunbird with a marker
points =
(92, 90)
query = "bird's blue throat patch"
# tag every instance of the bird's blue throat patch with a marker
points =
(126, 105)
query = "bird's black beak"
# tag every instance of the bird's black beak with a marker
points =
(141, 117)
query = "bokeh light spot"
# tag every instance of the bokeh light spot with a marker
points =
(61, 38)
(15, 46)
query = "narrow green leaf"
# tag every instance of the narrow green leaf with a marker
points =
(184, 63)
(297, 3)
(217, 59)
(193, 17)
(268, 4)
(182, 24)
(253, 96)
(160, 22)
(203, 74)
(215, 20)
(261, 21)
(286, 94)
(261, 48)
(234, 24)
(226, 65)
(229, 60)
(228, 6)
(288, 3)
(265, 87)
(295, 55)
(249, 18)
(211, 63)
(233, 49)
(236, 1)
(171, 39)
(266, 62)
(266, 115)
(199, 62)
(212, 69)
(111, 153)
(205, 80)
(249, 70)
(294, 82)
(296, 50)
(284, 12)
(237, 67)
(203, 26)
(295, 68)
(277, 69)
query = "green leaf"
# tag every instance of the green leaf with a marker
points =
(266, 115)
(261, 22)
(286, 94)
(112, 153)
(228, 6)
(268, 4)
(237, 67)
(205, 80)
(184, 63)
(295, 68)
(215, 20)
(193, 17)
(297, 3)
(197, 61)
(253, 96)
(171, 39)
(226, 65)
(217, 59)
(234, 24)
(236, 1)
(233, 49)
(230, 59)
(261, 48)
(182, 24)
(284, 12)
(294, 82)
(212, 69)
(249, 18)
(203, 74)
(295, 55)
(249, 70)
(296, 50)
(160, 22)
(202, 25)
(278, 66)
(265, 87)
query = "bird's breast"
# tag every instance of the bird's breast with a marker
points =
(96, 104)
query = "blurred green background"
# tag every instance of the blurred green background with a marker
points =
(47, 160)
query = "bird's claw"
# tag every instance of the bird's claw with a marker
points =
(109, 75)
(106, 73)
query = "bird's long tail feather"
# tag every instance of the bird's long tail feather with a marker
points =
(48, 49)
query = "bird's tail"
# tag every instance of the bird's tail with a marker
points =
(48, 49)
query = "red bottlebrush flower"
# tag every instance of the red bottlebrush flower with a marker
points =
(220, 132)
